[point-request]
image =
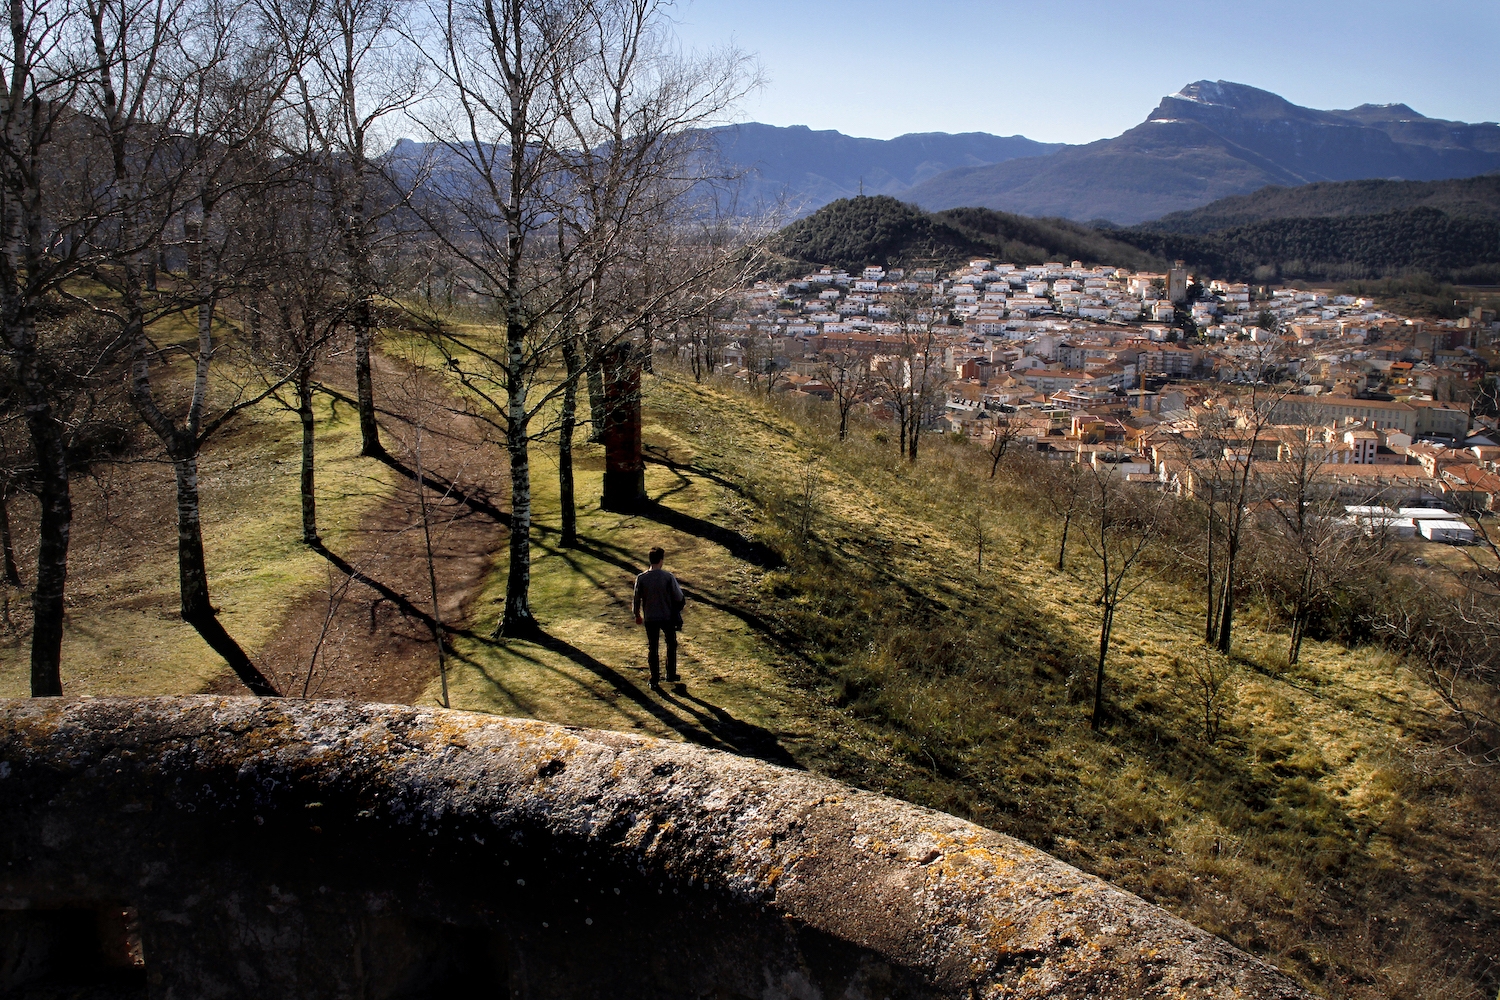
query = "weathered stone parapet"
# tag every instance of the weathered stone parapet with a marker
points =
(283, 848)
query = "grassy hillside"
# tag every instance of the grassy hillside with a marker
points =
(855, 232)
(1471, 197)
(123, 634)
(871, 645)
(880, 653)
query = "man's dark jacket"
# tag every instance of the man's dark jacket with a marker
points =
(658, 598)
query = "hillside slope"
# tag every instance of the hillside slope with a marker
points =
(1343, 247)
(840, 620)
(881, 654)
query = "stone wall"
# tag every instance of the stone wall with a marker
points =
(228, 847)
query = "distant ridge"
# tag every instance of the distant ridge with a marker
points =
(1212, 140)
(1419, 242)
(1349, 230)
(801, 170)
(1474, 197)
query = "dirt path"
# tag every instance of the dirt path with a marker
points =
(367, 633)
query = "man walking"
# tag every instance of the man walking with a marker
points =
(658, 605)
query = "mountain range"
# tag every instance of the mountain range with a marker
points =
(799, 170)
(1208, 141)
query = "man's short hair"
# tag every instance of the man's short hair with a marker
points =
(657, 555)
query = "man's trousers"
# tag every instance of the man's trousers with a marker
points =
(654, 631)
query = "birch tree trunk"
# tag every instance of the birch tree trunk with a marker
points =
(183, 444)
(518, 621)
(1105, 627)
(1211, 622)
(49, 450)
(197, 610)
(567, 424)
(361, 313)
(598, 416)
(54, 531)
(309, 445)
(25, 141)
(1226, 597)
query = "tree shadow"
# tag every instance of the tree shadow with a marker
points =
(616, 556)
(389, 593)
(477, 503)
(404, 604)
(666, 462)
(748, 550)
(625, 687)
(715, 727)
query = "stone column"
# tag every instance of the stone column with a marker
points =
(624, 469)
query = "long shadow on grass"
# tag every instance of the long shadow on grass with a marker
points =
(401, 601)
(738, 545)
(477, 503)
(386, 591)
(666, 462)
(616, 556)
(747, 739)
(721, 731)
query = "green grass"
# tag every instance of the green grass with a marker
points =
(595, 673)
(123, 634)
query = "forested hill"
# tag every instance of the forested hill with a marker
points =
(1424, 240)
(854, 232)
(1476, 197)
(1020, 239)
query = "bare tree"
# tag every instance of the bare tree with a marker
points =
(1002, 435)
(975, 523)
(1312, 552)
(1452, 642)
(1232, 437)
(775, 375)
(1122, 522)
(1065, 496)
(438, 636)
(806, 501)
(700, 329)
(353, 71)
(917, 378)
(52, 212)
(1212, 459)
(847, 375)
(1209, 679)
(308, 308)
(571, 115)
(184, 97)
(567, 425)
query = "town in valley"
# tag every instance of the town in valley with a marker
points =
(1097, 364)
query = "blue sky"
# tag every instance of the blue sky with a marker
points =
(1085, 70)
